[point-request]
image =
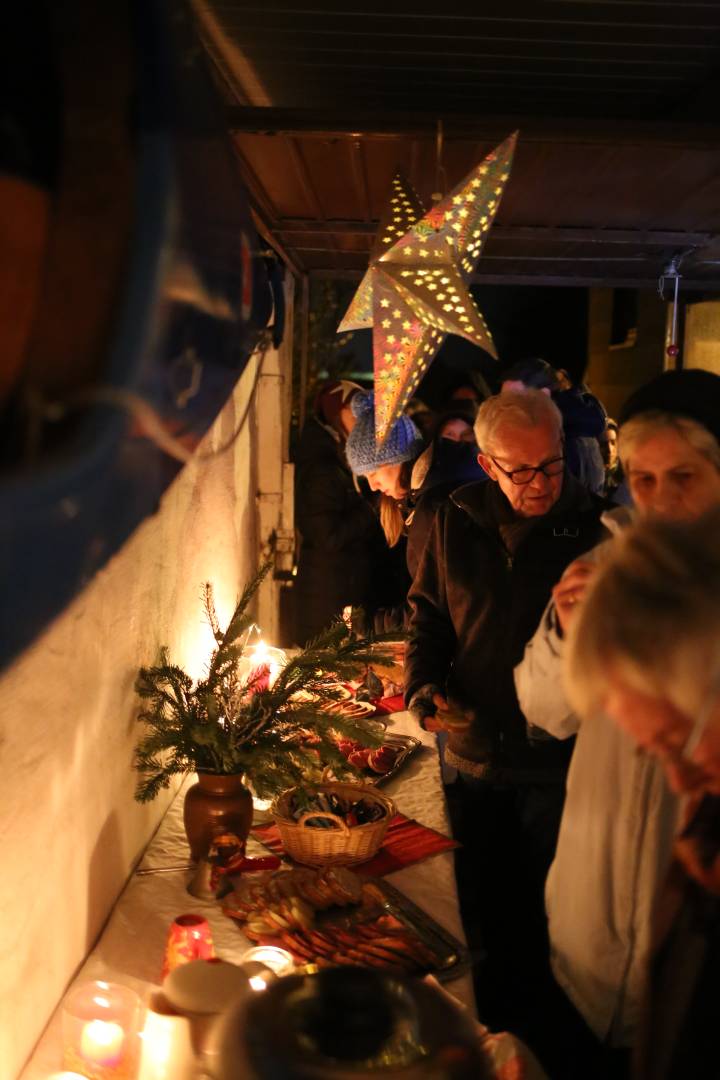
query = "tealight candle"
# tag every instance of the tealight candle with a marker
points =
(279, 961)
(100, 1026)
(258, 976)
(101, 1042)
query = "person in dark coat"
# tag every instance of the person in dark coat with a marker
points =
(495, 551)
(341, 539)
(387, 469)
(450, 461)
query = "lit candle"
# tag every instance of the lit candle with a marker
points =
(101, 1043)
(279, 961)
(258, 982)
(100, 1025)
(267, 664)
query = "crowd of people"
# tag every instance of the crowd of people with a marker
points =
(557, 575)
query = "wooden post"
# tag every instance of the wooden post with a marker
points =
(304, 346)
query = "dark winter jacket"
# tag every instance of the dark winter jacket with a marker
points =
(583, 424)
(680, 1029)
(341, 536)
(482, 585)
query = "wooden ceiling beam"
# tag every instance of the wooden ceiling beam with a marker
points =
(343, 124)
(578, 281)
(526, 233)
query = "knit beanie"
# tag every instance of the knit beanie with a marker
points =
(403, 443)
(693, 393)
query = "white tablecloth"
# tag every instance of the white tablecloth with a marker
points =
(131, 948)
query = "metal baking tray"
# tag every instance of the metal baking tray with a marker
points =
(406, 744)
(444, 956)
(453, 958)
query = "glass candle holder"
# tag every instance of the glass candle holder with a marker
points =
(189, 938)
(100, 1031)
(260, 666)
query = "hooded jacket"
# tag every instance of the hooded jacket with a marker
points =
(481, 587)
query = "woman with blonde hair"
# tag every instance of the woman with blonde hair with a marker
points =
(387, 468)
(645, 653)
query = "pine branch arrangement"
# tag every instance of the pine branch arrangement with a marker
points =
(228, 724)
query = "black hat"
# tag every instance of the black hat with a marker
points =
(692, 393)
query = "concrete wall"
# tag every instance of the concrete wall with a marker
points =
(70, 831)
(614, 373)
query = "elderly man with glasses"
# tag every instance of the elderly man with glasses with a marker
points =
(494, 554)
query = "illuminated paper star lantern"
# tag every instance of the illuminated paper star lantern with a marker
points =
(416, 290)
(403, 210)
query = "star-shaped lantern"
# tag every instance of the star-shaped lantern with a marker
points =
(416, 290)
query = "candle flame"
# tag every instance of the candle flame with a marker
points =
(101, 1043)
(260, 652)
(102, 1033)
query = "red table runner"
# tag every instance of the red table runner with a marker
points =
(406, 842)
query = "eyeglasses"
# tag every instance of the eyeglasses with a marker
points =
(524, 475)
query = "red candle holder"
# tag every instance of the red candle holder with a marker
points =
(189, 938)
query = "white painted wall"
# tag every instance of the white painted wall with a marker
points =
(70, 831)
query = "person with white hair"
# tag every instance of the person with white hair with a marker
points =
(495, 550)
(620, 817)
(644, 652)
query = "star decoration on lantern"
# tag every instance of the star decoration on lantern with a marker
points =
(403, 210)
(415, 290)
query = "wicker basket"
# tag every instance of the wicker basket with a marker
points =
(344, 846)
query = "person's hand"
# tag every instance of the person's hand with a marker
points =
(570, 591)
(447, 717)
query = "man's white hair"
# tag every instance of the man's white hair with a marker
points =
(513, 410)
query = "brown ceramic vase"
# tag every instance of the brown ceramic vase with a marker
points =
(216, 804)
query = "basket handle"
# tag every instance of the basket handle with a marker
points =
(321, 813)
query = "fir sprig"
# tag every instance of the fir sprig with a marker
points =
(226, 724)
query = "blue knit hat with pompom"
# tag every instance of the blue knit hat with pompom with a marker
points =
(403, 443)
